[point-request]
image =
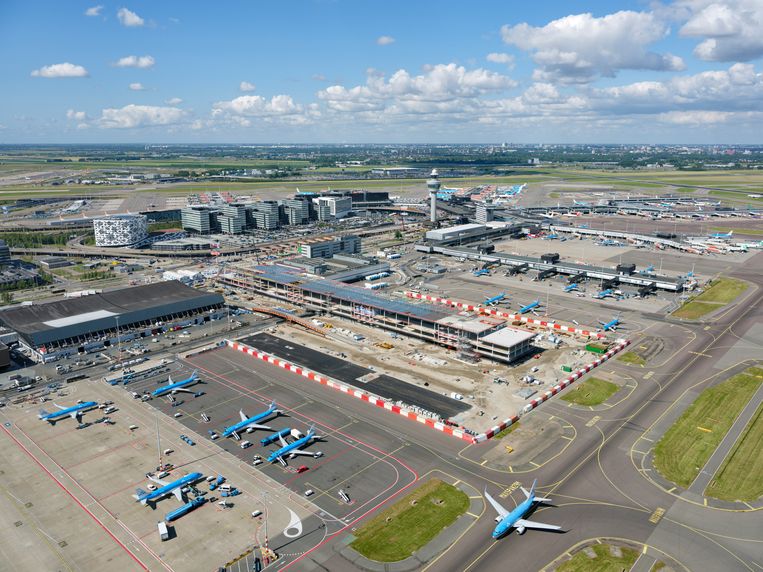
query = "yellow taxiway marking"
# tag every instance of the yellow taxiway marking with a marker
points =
(568, 438)
(700, 354)
(594, 420)
(656, 515)
(706, 328)
(472, 515)
(511, 488)
(705, 501)
(639, 452)
(648, 374)
(475, 497)
(536, 465)
(704, 429)
(671, 489)
(456, 483)
(483, 462)
(643, 551)
(511, 469)
(648, 439)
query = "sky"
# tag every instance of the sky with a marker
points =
(381, 71)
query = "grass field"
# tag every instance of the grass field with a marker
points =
(692, 439)
(741, 475)
(592, 391)
(507, 431)
(632, 358)
(750, 231)
(410, 523)
(604, 561)
(722, 291)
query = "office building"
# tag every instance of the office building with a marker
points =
(265, 215)
(328, 247)
(120, 230)
(200, 219)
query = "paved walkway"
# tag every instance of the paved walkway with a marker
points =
(714, 462)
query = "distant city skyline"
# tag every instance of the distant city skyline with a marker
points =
(336, 71)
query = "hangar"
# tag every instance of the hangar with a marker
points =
(56, 329)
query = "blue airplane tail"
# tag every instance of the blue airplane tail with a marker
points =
(43, 413)
(140, 495)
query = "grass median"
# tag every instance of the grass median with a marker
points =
(632, 358)
(740, 478)
(411, 523)
(592, 391)
(604, 561)
(685, 448)
(720, 292)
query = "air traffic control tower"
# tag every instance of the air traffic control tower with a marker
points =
(433, 184)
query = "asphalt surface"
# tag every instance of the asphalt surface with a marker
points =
(351, 374)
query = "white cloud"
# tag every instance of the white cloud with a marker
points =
(279, 108)
(137, 86)
(500, 58)
(135, 62)
(61, 70)
(319, 77)
(174, 101)
(385, 40)
(246, 86)
(132, 116)
(695, 118)
(76, 115)
(580, 47)
(733, 31)
(129, 18)
(94, 10)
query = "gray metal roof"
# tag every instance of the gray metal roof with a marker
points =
(57, 321)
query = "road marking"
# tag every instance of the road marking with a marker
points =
(648, 374)
(656, 516)
(594, 420)
(640, 452)
(671, 489)
(748, 505)
(700, 354)
(477, 497)
(511, 469)
(706, 328)
(704, 429)
(483, 462)
(472, 515)
(648, 439)
(456, 483)
(705, 501)
(512, 487)
(536, 465)
(568, 438)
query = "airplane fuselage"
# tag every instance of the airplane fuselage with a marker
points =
(57, 415)
(286, 449)
(174, 386)
(241, 425)
(506, 523)
(167, 489)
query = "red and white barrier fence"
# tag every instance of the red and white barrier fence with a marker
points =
(358, 393)
(551, 392)
(508, 315)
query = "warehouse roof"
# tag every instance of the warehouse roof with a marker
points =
(55, 321)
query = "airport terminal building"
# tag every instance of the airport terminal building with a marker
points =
(482, 336)
(76, 325)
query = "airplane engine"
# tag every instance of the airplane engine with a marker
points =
(521, 530)
(249, 429)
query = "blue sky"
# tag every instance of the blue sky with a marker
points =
(381, 71)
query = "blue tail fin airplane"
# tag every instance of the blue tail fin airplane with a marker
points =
(174, 488)
(249, 424)
(507, 520)
(571, 287)
(605, 294)
(531, 306)
(722, 234)
(495, 300)
(292, 449)
(75, 412)
(176, 386)
(611, 325)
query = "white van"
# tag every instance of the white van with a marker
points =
(225, 487)
(245, 444)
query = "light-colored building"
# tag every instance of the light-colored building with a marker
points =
(198, 218)
(265, 215)
(120, 230)
(328, 247)
(338, 207)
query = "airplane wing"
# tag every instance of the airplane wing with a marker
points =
(502, 512)
(183, 389)
(283, 441)
(536, 525)
(256, 426)
(158, 481)
(179, 494)
(241, 413)
(61, 407)
(301, 452)
(76, 415)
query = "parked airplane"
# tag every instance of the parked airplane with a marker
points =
(605, 294)
(531, 306)
(722, 234)
(174, 488)
(648, 270)
(483, 272)
(294, 448)
(513, 519)
(176, 386)
(571, 287)
(611, 325)
(495, 300)
(580, 203)
(75, 412)
(249, 424)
